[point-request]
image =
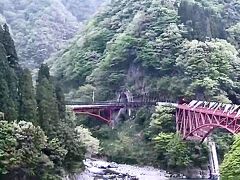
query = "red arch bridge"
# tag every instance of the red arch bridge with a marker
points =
(194, 120)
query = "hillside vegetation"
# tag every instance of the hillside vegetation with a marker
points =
(38, 139)
(41, 28)
(171, 49)
(175, 48)
(164, 48)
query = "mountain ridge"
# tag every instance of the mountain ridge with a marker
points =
(41, 28)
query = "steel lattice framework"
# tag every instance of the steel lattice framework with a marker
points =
(103, 113)
(197, 119)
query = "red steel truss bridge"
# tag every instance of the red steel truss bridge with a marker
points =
(105, 111)
(198, 119)
(194, 120)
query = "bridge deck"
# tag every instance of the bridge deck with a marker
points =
(95, 106)
(101, 105)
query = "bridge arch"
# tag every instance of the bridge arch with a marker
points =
(104, 120)
(208, 128)
(198, 119)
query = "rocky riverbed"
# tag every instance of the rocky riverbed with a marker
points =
(102, 170)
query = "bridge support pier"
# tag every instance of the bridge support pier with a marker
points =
(213, 159)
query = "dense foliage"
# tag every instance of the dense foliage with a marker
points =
(175, 48)
(47, 102)
(22, 152)
(27, 101)
(231, 163)
(41, 28)
(38, 139)
(152, 141)
(8, 76)
(171, 49)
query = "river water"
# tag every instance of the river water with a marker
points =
(142, 173)
(102, 170)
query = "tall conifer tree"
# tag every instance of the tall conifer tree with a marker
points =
(27, 101)
(47, 102)
(60, 101)
(8, 77)
(10, 47)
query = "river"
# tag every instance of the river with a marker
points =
(102, 170)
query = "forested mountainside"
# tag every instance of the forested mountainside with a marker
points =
(164, 48)
(175, 48)
(40, 28)
(38, 139)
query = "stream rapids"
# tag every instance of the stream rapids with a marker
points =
(101, 170)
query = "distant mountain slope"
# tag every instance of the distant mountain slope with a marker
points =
(41, 27)
(173, 48)
(82, 9)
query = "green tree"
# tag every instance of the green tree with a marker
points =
(161, 143)
(160, 55)
(8, 77)
(143, 116)
(10, 47)
(47, 102)
(84, 93)
(8, 153)
(60, 101)
(178, 155)
(162, 120)
(91, 144)
(43, 73)
(52, 118)
(230, 166)
(70, 140)
(207, 68)
(23, 153)
(172, 151)
(234, 33)
(7, 105)
(27, 101)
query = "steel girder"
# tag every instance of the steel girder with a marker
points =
(103, 114)
(197, 119)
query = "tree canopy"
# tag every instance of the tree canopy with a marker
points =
(147, 46)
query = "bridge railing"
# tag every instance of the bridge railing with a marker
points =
(89, 103)
(116, 103)
(145, 100)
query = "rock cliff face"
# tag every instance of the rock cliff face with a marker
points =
(41, 27)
